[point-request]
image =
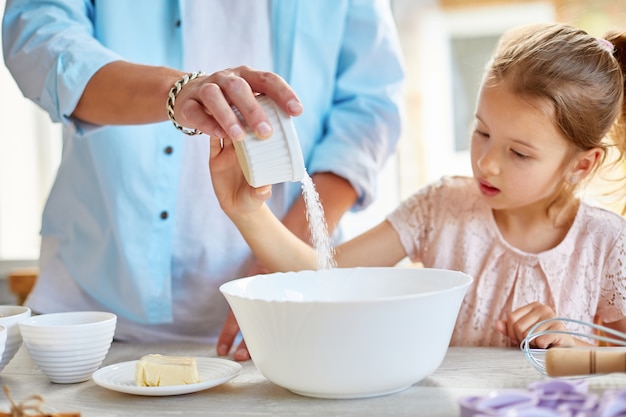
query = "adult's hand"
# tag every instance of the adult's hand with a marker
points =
(225, 341)
(125, 93)
(205, 103)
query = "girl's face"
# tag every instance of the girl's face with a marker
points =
(519, 156)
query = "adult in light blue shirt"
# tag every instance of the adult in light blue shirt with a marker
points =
(131, 225)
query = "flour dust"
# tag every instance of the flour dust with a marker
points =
(325, 253)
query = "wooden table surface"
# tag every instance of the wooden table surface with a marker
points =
(464, 372)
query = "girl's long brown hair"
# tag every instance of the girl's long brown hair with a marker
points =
(581, 76)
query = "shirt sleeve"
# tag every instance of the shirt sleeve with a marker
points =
(414, 219)
(364, 123)
(50, 50)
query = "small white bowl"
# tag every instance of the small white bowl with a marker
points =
(51, 339)
(63, 351)
(71, 321)
(69, 347)
(3, 339)
(275, 159)
(348, 333)
(10, 316)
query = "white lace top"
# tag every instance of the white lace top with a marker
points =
(447, 225)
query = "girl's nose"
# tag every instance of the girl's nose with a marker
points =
(488, 162)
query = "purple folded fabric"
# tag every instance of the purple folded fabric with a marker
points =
(550, 398)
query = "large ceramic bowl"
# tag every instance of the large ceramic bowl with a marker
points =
(348, 333)
(69, 347)
(10, 316)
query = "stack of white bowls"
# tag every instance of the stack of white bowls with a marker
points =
(69, 347)
(10, 316)
(3, 339)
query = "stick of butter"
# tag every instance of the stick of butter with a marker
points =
(156, 370)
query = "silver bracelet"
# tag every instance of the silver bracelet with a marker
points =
(171, 99)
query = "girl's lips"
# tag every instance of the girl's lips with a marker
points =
(487, 189)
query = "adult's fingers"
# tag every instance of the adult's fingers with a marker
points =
(241, 84)
(206, 108)
(275, 87)
(241, 354)
(239, 93)
(227, 336)
(206, 103)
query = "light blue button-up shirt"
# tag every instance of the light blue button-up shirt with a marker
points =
(115, 184)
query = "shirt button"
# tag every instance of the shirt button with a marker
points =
(177, 23)
(168, 150)
(164, 215)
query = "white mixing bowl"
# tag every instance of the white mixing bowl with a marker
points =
(348, 333)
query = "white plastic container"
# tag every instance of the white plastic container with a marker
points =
(275, 159)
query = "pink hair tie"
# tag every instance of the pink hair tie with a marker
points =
(606, 45)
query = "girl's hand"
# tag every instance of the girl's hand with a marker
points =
(519, 322)
(236, 197)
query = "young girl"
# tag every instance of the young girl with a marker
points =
(550, 97)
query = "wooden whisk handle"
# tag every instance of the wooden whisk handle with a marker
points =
(584, 361)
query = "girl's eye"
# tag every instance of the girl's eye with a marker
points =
(519, 154)
(481, 133)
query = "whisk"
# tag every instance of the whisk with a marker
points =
(537, 357)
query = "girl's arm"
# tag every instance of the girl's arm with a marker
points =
(280, 250)
(613, 287)
(272, 243)
(379, 246)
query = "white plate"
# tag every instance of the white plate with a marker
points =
(121, 377)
